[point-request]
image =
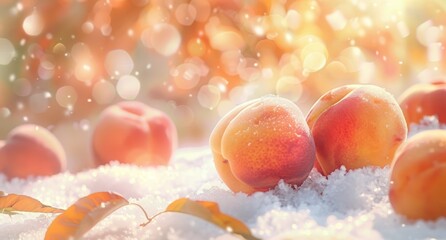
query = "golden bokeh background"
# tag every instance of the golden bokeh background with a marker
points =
(64, 61)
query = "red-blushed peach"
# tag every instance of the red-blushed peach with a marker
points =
(261, 142)
(418, 176)
(31, 150)
(356, 126)
(132, 132)
(424, 99)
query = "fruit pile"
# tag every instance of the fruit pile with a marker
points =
(266, 140)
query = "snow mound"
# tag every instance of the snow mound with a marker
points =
(346, 205)
(427, 123)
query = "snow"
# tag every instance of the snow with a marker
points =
(346, 205)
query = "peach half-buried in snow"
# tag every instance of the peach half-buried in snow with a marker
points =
(356, 126)
(261, 142)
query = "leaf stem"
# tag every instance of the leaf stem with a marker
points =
(149, 219)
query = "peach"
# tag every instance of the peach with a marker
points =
(356, 126)
(418, 176)
(261, 142)
(424, 99)
(31, 150)
(132, 132)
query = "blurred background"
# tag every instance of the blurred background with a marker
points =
(63, 61)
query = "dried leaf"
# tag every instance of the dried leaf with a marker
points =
(210, 212)
(12, 203)
(84, 214)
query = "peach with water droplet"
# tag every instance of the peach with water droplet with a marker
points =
(418, 176)
(31, 150)
(356, 126)
(261, 142)
(132, 132)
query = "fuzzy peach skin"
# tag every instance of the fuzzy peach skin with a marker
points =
(424, 99)
(356, 126)
(132, 132)
(31, 150)
(261, 142)
(418, 177)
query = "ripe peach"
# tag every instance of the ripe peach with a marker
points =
(356, 126)
(132, 132)
(418, 176)
(31, 150)
(261, 142)
(424, 99)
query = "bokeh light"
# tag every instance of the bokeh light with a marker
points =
(195, 60)
(186, 75)
(66, 96)
(118, 62)
(209, 96)
(185, 14)
(128, 87)
(289, 87)
(104, 92)
(165, 39)
(7, 51)
(33, 24)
